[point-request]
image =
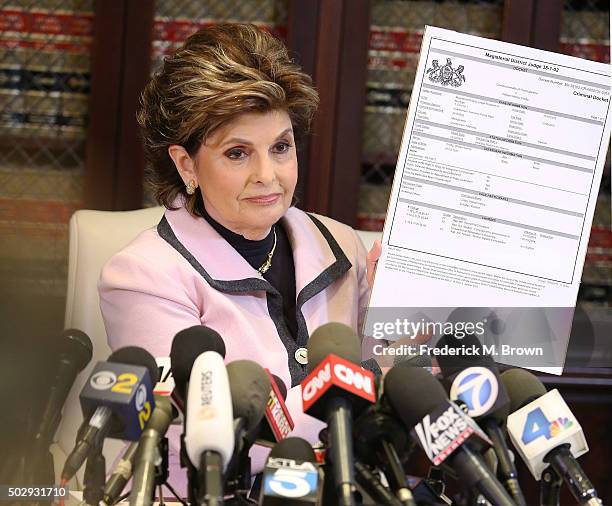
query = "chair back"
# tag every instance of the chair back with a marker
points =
(95, 236)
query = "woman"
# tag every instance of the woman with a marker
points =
(220, 123)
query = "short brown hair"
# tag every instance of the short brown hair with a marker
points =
(219, 73)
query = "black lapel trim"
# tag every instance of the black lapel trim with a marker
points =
(232, 286)
(275, 308)
(322, 281)
(329, 275)
(274, 300)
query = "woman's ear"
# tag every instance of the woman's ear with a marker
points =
(183, 163)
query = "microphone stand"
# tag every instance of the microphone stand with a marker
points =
(433, 487)
(506, 470)
(368, 480)
(95, 475)
(162, 473)
(340, 429)
(238, 473)
(550, 487)
(192, 473)
(395, 474)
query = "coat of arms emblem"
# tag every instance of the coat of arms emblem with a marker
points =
(446, 74)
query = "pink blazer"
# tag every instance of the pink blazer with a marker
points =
(183, 273)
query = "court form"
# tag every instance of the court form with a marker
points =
(497, 177)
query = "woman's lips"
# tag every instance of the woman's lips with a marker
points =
(265, 199)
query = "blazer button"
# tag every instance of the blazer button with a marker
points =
(301, 356)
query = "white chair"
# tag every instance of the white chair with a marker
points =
(95, 236)
(368, 238)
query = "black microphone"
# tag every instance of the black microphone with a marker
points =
(335, 389)
(291, 476)
(475, 380)
(545, 432)
(117, 401)
(250, 389)
(443, 430)
(380, 439)
(148, 453)
(75, 351)
(522, 387)
(187, 345)
(75, 354)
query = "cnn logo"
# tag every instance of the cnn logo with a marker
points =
(348, 376)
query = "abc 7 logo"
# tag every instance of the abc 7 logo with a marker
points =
(477, 387)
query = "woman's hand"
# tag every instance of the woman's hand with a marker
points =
(372, 260)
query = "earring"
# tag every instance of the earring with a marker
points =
(190, 188)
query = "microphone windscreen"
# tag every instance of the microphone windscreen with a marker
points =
(209, 418)
(282, 388)
(135, 355)
(413, 392)
(457, 357)
(250, 388)
(76, 345)
(335, 338)
(294, 448)
(414, 361)
(522, 387)
(189, 344)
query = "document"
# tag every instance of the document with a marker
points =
(494, 193)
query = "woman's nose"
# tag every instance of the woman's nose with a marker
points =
(263, 170)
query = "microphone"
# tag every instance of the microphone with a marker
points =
(336, 388)
(250, 388)
(522, 387)
(121, 475)
(476, 382)
(187, 345)
(209, 438)
(75, 353)
(443, 430)
(379, 438)
(277, 423)
(142, 454)
(148, 454)
(117, 400)
(291, 476)
(545, 432)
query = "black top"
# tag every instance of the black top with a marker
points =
(281, 274)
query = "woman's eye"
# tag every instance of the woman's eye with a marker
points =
(235, 154)
(282, 147)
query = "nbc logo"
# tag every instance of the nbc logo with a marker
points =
(559, 425)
